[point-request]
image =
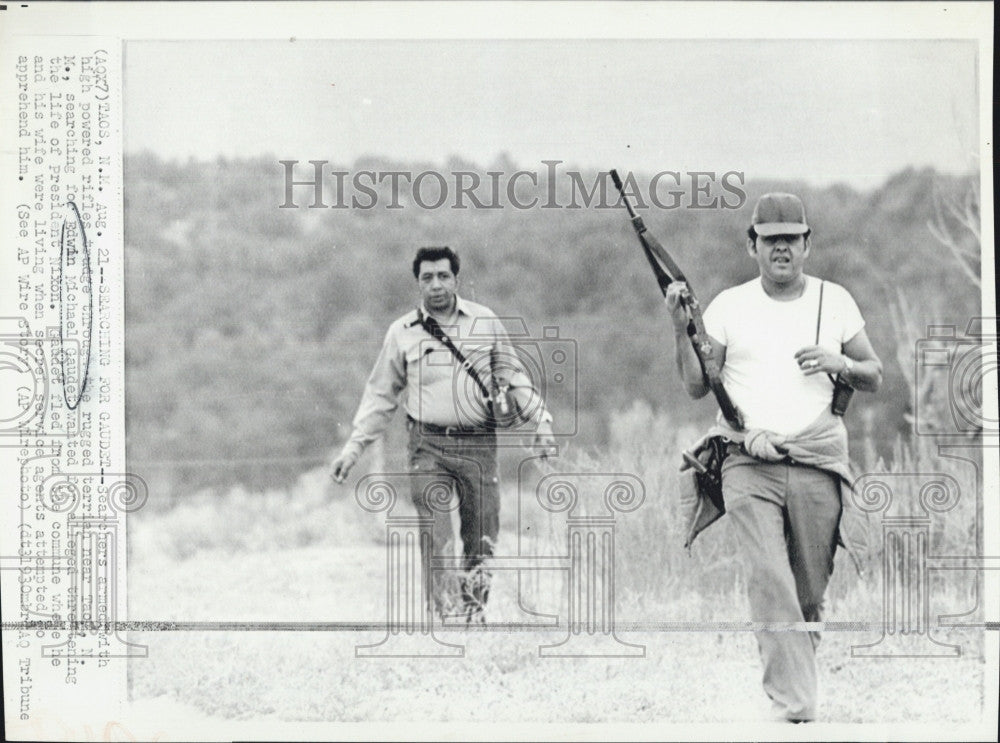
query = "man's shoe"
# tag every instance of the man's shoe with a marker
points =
(448, 591)
(475, 594)
(780, 713)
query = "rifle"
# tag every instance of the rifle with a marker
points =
(666, 271)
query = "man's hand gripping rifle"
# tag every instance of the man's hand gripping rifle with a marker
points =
(667, 271)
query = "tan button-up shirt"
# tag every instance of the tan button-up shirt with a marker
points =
(437, 389)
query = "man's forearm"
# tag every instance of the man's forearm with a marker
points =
(353, 448)
(380, 398)
(528, 398)
(689, 366)
(863, 375)
(372, 419)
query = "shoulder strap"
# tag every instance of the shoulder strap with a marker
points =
(819, 312)
(433, 327)
(819, 319)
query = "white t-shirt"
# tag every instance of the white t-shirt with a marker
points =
(762, 335)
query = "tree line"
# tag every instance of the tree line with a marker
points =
(250, 329)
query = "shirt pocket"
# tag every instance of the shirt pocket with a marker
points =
(479, 357)
(428, 362)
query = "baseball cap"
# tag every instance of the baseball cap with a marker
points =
(779, 214)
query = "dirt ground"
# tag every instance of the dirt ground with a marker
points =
(700, 675)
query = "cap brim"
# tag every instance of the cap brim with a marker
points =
(767, 229)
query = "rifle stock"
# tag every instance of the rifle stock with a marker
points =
(666, 272)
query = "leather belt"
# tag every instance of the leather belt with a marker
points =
(431, 429)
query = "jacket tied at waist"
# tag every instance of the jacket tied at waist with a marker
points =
(822, 444)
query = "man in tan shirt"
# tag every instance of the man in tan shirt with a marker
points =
(451, 423)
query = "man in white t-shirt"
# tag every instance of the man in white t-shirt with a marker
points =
(782, 340)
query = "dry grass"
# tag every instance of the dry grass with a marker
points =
(312, 555)
(691, 676)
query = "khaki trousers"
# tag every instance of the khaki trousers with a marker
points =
(786, 517)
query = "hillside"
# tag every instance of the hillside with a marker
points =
(251, 329)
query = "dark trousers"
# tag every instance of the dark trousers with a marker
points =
(464, 476)
(786, 519)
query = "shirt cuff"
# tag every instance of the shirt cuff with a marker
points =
(352, 448)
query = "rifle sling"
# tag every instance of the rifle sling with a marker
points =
(666, 271)
(673, 271)
(433, 327)
(662, 277)
(819, 320)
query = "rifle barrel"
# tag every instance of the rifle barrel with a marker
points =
(621, 189)
(667, 271)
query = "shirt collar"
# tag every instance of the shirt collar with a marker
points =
(461, 307)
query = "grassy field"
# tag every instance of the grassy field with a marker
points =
(311, 554)
(691, 676)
